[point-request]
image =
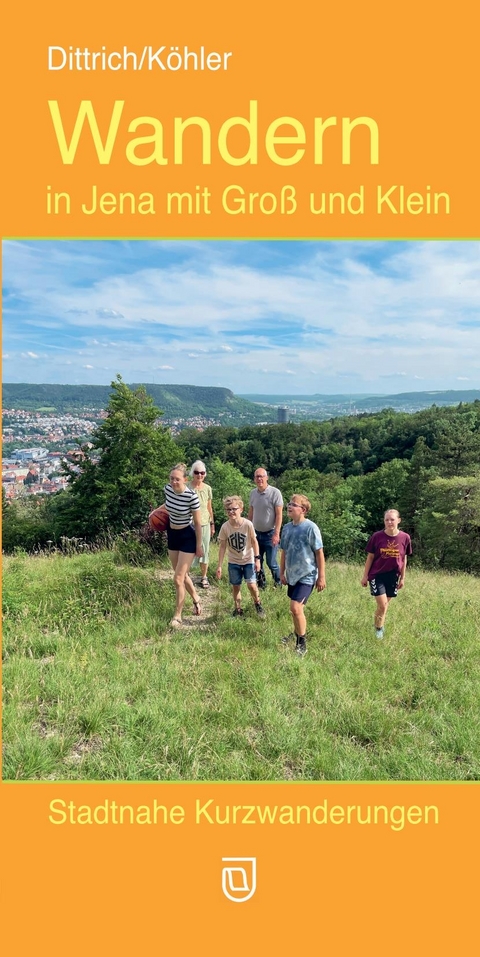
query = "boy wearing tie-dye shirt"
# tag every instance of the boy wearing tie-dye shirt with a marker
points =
(302, 566)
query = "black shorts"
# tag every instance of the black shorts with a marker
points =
(182, 539)
(300, 592)
(385, 584)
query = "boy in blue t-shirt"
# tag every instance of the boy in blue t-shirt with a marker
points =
(302, 565)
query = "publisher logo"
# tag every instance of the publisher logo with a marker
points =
(239, 878)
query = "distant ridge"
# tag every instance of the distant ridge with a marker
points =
(222, 405)
(182, 401)
(366, 402)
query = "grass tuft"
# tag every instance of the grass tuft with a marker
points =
(97, 687)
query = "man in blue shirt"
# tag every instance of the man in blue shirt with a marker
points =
(302, 566)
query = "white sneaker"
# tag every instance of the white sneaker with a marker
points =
(379, 632)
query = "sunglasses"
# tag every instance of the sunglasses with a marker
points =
(199, 473)
(294, 505)
(232, 509)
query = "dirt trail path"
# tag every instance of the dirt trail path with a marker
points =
(210, 602)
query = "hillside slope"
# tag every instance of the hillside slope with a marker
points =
(173, 400)
(98, 687)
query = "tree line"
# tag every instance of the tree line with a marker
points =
(175, 400)
(426, 464)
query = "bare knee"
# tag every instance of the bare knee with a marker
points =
(296, 608)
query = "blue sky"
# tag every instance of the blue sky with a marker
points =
(254, 316)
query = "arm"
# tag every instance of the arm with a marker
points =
(278, 524)
(320, 557)
(198, 531)
(210, 512)
(256, 550)
(401, 580)
(221, 556)
(368, 565)
(282, 567)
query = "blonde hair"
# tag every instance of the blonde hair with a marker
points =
(397, 513)
(233, 500)
(180, 467)
(303, 501)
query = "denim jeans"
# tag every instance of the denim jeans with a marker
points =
(265, 548)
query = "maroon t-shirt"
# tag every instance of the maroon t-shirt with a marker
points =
(389, 551)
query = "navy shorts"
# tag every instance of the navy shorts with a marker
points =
(236, 573)
(385, 584)
(182, 539)
(300, 592)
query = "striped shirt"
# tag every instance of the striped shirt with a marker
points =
(180, 505)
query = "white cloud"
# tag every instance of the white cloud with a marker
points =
(109, 314)
(349, 311)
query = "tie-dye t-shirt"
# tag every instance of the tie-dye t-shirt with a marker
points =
(300, 542)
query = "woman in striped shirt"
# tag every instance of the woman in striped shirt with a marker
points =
(184, 537)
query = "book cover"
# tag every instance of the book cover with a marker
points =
(240, 147)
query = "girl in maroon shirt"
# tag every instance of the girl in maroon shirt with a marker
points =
(386, 565)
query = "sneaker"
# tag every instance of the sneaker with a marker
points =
(379, 632)
(259, 610)
(288, 638)
(301, 647)
(277, 585)
(238, 613)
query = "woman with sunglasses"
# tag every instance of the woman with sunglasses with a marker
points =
(197, 483)
(184, 537)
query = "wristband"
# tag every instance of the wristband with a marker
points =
(257, 558)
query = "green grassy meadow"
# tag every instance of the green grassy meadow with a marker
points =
(97, 687)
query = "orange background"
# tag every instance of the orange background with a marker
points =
(333, 890)
(413, 69)
(76, 889)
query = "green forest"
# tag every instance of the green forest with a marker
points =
(98, 687)
(174, 400)
(426, 464)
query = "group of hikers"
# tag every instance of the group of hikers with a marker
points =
(250, 541)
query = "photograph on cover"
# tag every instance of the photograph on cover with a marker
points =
(241, 510)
